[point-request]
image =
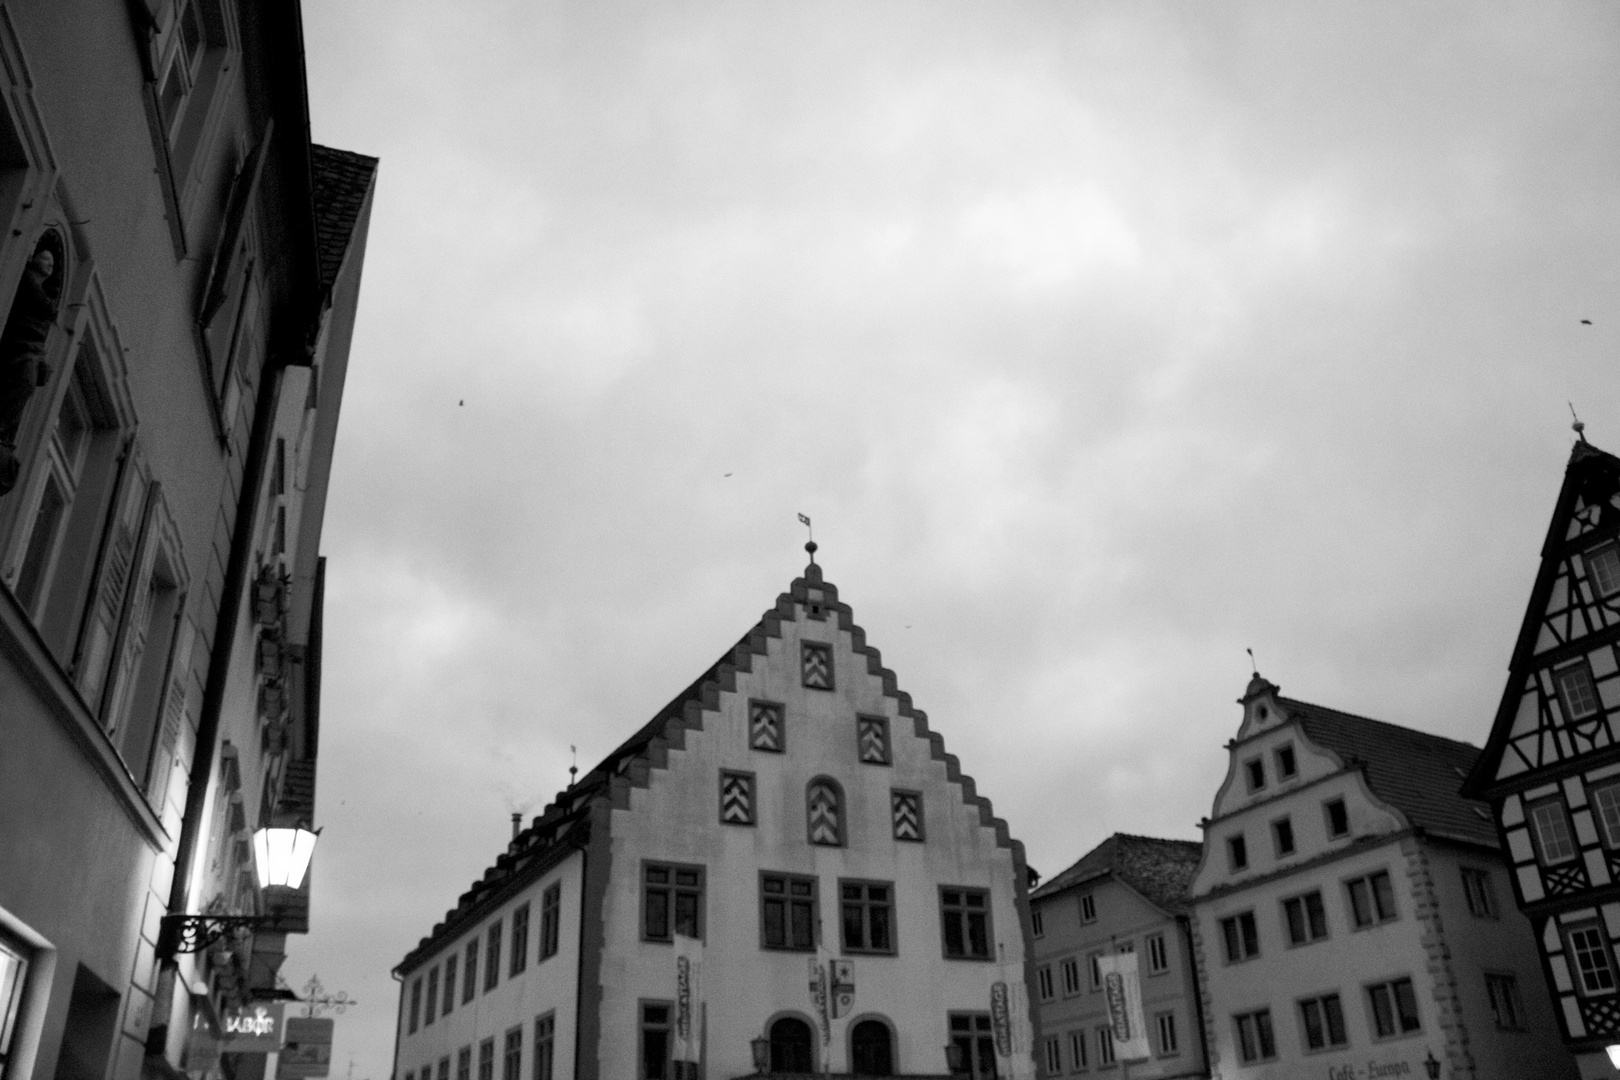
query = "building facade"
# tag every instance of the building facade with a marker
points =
(790, 812)
(180, 268)
(1126, 895)
(1349, 911)
(1551, 768)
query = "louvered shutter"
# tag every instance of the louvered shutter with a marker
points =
(135, 625)
(114, 570)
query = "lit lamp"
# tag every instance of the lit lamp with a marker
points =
(280, 859)
(1614, 1054)
(762, 1053)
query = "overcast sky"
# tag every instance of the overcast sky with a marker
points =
(1101, 341)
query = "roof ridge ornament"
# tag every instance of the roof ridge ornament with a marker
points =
(1578, 426)
(810, 537)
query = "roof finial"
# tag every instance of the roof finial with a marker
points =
(573, 765)
(810, 542)
(1580, 428)
(1254, 667)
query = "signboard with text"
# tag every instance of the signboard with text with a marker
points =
(307, 1049)
(254, 1028)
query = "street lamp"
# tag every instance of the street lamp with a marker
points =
(762, 1054)
(280, 857)
(1614, 1054)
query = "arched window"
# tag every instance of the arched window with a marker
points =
(22, 344)
(871, 1050)
(790, 1046)
(824, 804)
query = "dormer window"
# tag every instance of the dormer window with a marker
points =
(1576, 691)
(1255, 771)
(1338, 820)
(1237, 852)
(1603, 569)
(1287, 767)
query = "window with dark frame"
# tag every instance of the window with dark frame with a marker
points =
(1254, 770)
(492, 956)
(1071, 976)
(1158, 954)
(550, 920)
(1088, 908)
(469, 974)
(1577, 693)
(1338, 819)
(1287, 767)
(1305, 918)
(1372, 899)
(1054, 1057)
(512, 1058)
(736, 797)
(520, 941)
(1503, 991)
(464, 1063)
(450, 983)
(907, 811)
(430, 1009)
(868, 916)
(1477, 889)
(1037, 922)
(1077, 1049)
(1593, 960)
(816, 665)
(444, 1068)
(1241, 937)
(1237, 852)
(486, 1058)
(1168, 1043)
(1105, 1046)
(972, 1034)
(1282, 837)
(545, 1046)
(672, 901)
(656, 1047)
(1255, 1038)
(872, 740)
(965, 920)
(1322, 1021)
(1606, 808)
(787, 912)
(1549, 825)
(1094, 964)
(1393, 1007)
(1603, 569)
(766, 730)
(1043, 982)
(414, 1019)
(824, 812)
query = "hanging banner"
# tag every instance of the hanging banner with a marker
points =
(818, 999)
(1122, 989)
(307, 1048)
(253, 1028)
(843, 987)
(688, 998)
(1001, 1018)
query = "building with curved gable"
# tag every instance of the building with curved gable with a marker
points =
(788, 812)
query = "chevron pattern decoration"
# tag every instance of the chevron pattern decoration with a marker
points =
(765, 726)
(736, 798)
(907, 807)
(826, 826)
(872, 739)
(816, 665)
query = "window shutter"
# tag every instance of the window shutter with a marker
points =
(114, 565)
(135, 621)
(243, 190)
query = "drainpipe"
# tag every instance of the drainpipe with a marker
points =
(219, 668)
(1197, 991)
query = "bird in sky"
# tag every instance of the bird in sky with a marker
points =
(1586, 322)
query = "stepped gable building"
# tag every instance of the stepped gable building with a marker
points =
(1551, 768)
(179, 279)
(788, 808)
(1127, 894)
(1349, 910)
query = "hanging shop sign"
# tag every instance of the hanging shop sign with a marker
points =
(307, 1049)
(254, 1028)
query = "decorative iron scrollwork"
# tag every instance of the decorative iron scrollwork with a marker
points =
(193, 933)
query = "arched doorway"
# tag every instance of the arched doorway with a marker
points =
(871, 1052)
(790, 1046)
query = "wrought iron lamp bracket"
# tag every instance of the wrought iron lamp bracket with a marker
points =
(194, 933)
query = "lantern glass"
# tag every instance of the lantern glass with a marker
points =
(762, 1053)
(1614, 1054)
(281, 856)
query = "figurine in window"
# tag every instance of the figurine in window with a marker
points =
(22, 347)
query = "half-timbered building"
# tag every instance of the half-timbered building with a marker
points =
(1551, 769)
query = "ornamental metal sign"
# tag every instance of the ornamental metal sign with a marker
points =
(254, 1028)
(308, 1048)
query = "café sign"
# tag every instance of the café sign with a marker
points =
(254, 1028)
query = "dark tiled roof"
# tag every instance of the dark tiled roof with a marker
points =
(1417, 773)
(1160, 870)
(342, 180)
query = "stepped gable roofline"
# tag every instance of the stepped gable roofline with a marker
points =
(566, 822)
(1158, 869)
(1587, 464)
(341, 182)
(1413, 771)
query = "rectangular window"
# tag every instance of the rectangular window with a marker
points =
(1088, 908)
(464, 1063)
(672, 901)
(872, 739)
(520, 940)
(1603, 568)
(1242, 937)
(655, 1041)
(1094, 962)
(1372, 899)
(816, 665)
(1043, 981)
(1282, 837)
(1237, 852)
(1593, 964)
(1305, 917)
(486, 1058)
(444, 1068)
(1287, 768)
(1481, 896)
(1071, 976)
(492, 956)
(868, 916)
(1503, 990)
(1166, 1023)
(1576, 691)
(1158, 954)
(1077, 1049)
(906, 809)
(736, 797)
(512, 1059)
(1322, 1020)
(1393, 1006)
(1054, 1057)
(469, 976)
(550, 919)
(1105, 1045)
(416, 1006)
(965, 919)
(1037, 922)
(1338, 819)
(787, 912)
(545, 1046)
(765, 728)
(1254, 1036)
(430, 1007)
(450, 984)
(1255, 771)
(1550, 826)
(1606, 807)
(971, 1034)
